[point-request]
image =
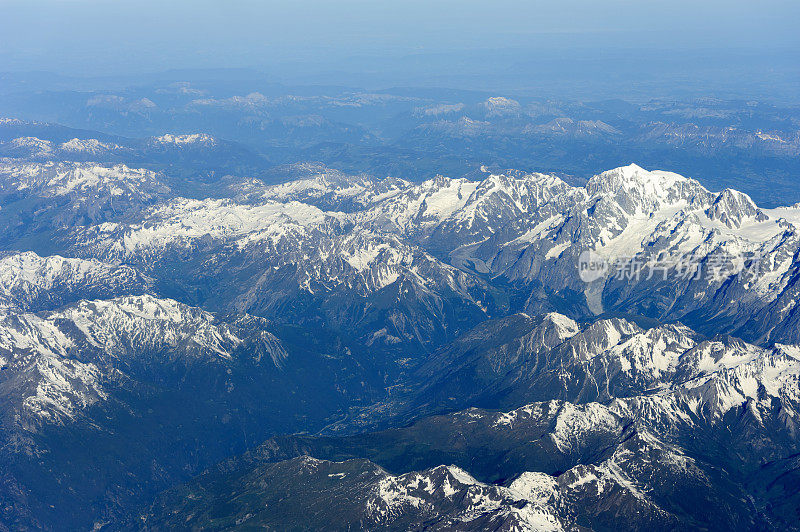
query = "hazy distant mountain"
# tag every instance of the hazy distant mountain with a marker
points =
(409, 133)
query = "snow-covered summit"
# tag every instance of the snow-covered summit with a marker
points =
(330, 189)
(30, 147)
(31, 282)
(82, 180)
(88, 146)
(639, 191)
(57, 363)
(196, 139)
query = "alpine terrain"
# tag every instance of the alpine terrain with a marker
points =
(501, 351)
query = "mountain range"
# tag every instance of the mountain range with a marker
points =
(343, 351)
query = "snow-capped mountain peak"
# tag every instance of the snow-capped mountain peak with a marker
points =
(197, 139)
(57, 363)
(639, 191)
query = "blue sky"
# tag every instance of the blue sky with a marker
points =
(466, 43)
(94, 34)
